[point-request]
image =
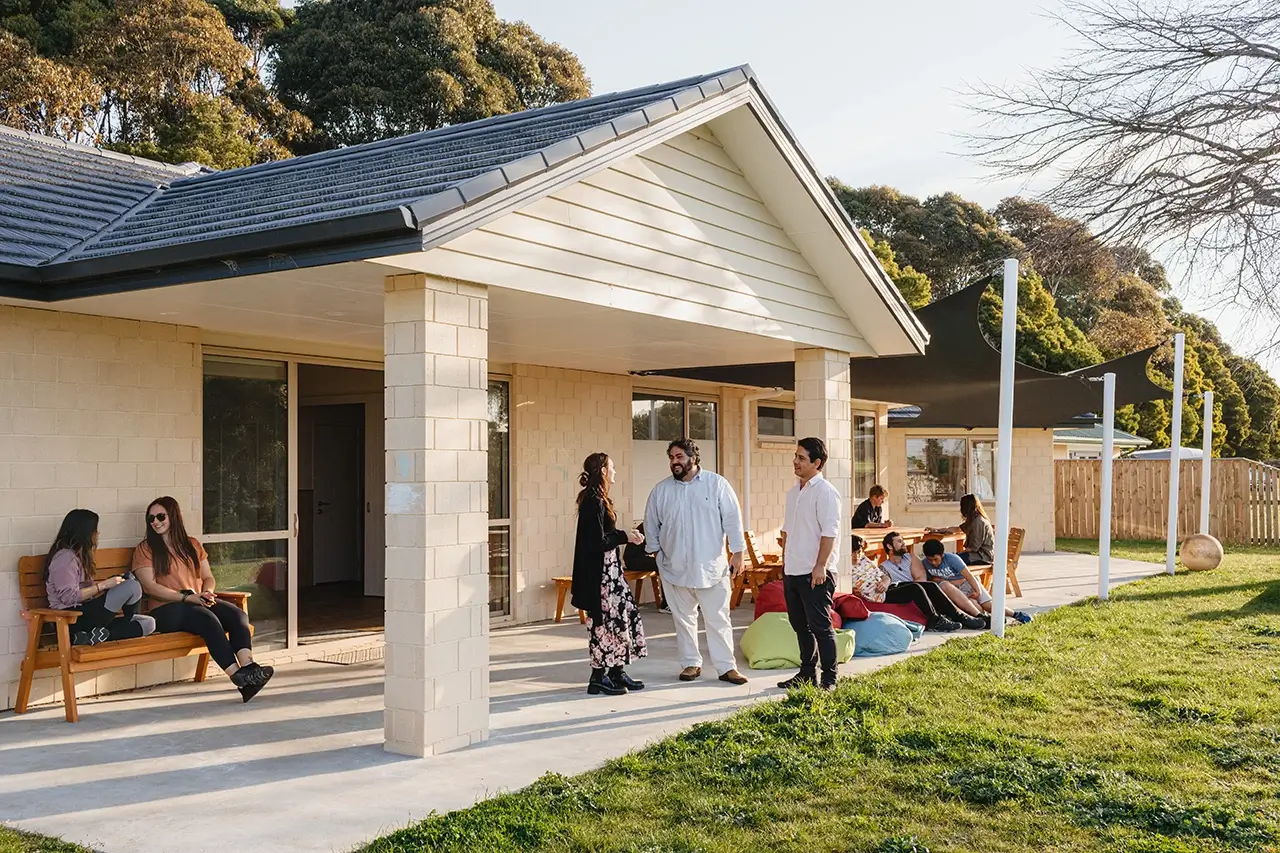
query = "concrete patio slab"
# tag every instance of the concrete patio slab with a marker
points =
(185, 768)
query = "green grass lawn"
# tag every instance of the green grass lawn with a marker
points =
(1147, 725)
(12, 841)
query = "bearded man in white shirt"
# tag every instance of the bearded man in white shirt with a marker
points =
(686, 521)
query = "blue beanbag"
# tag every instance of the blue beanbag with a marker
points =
(882, 634)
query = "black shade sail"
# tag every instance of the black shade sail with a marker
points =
(956, 383)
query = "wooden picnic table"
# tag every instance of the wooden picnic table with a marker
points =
(912, 536)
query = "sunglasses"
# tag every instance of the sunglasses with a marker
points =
(159, 516)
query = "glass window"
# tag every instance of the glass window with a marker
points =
(499, 497)
(864, 454)
(774, 421)
(499, 570)
(702, 420)
(260, 568)
(499, 450)
(655, 418)
(982, 478)
(246, 445)
(936, 469)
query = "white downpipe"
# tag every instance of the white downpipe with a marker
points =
(1175, 452)
(1205, 462)
(1108, 452)
(1004, 451)
(746, 451)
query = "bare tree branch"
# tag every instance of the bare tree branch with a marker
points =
(1163, 129)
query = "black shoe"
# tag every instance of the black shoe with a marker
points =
(626, 681)
(944, 624)
(605, 685)
(827, 686)
(91, 637)
(798, 680)
(974, 623)
(250, 679)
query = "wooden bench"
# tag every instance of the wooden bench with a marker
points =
(56, 651)
(565, 584)
(984, 571)
(755, 573)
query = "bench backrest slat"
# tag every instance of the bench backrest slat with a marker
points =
(107, 562)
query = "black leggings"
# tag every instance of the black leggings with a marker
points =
(223, 627)
(931, 600)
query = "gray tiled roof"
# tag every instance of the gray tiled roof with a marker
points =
(117, 208)
(1094, 433)
(54, 196)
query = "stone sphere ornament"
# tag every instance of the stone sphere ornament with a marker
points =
(1200, 552)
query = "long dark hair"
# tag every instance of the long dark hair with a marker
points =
(160, 551)
(76, 535)
(595, 482)
(971, 506)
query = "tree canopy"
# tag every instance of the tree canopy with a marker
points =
(228, 83)
(1081, 300)
(422, 64)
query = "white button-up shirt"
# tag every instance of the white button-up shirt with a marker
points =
(685, 524)
(813, 511)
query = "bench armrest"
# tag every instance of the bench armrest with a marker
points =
(51, 614)
(239, 599)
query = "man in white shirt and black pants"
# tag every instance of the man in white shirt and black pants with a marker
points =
(686, 522)
(810, 555)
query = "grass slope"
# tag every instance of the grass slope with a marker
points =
(1148, 725)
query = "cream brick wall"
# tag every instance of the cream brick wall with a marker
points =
(97, 413)
(771, 472)
(1031, 504)
(560, 416)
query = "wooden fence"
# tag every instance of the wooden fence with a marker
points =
(1244, 499)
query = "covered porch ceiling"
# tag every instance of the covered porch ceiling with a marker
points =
(340, 306)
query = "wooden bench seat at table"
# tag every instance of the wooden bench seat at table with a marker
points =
(565, 584)
(56, 652)
(757, 570)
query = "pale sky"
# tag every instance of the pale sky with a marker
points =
(870, 89)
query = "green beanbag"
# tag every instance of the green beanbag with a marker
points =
(770, 643)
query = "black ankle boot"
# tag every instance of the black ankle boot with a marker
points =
(602, 683)
(618, 676)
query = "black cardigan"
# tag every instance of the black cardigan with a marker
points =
(597, 535)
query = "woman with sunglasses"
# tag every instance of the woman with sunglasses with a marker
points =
(174, 570)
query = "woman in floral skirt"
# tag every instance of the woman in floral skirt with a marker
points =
(615, 633)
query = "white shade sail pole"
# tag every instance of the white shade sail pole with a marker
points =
(1104, 517)
(1175, 452)
(1205, 462)
(1004, 445)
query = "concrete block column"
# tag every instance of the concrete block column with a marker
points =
(437, 622)
(824, 408)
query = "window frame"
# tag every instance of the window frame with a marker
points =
(969, 441)
(770, 438)
(687, 398)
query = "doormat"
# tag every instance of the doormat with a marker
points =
(365, 655)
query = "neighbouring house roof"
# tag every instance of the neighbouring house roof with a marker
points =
(1093, 435)
(956, 382)
(137, 224)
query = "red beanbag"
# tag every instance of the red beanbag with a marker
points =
(907, 611)
(849, 606)
(771, 599)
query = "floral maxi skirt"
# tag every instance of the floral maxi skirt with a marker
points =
(619, 635)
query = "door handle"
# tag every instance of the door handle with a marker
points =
(322, 503)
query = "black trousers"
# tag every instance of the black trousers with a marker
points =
(223, 627)
(931, 600)
(809, 610)
(94, 614)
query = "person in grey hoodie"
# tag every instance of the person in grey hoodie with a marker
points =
(70, 585)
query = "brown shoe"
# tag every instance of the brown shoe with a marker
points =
(691, 673)
(734, 677)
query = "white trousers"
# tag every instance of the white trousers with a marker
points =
(684, 602)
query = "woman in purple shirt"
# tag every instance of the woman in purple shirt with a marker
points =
(69, 583)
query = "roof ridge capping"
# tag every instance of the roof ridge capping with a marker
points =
(182, 170)
(701, 89)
